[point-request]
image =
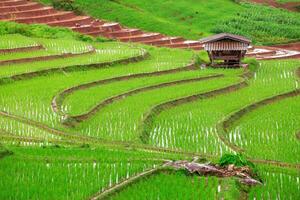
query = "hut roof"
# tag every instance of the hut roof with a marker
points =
(226, 46)
(224, 36)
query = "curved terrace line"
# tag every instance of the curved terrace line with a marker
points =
(59, 98)
(87, 160)
(147, 122)
(117, 187)
(11, 137)
(30, 75)
(22, 49)
(45, 58)
(41, 126)
(81, 140)
(227, 123)
(106, 102)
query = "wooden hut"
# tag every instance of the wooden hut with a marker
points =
(229, 48)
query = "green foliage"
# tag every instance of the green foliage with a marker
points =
(42, 31)
(253, 64)
(238, 160)
(203, 58)
(188, 18)
(102, 39)
(262, 24)
(67, 5)
(195, 19)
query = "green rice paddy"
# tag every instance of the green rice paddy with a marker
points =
(76, 127)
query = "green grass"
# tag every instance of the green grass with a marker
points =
(196, 19)
(40, 31)
(188, 18)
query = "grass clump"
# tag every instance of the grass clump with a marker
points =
(235, 159)
(41, 31)
(238, 160)
(67, 5)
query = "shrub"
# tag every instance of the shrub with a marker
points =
(42, 31)
(67, 5)
(238, 160)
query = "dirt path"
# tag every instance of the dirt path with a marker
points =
(291, 6)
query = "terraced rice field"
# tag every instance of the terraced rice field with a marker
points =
(88, 120)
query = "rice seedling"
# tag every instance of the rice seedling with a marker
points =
(278, 184)
(121, 120)
(13, 127)
(193, 126)
(54, 161)
(51, 47)
(13, 41)
(177, 185)
(65, 177)
(272, 128)
(100, 93)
